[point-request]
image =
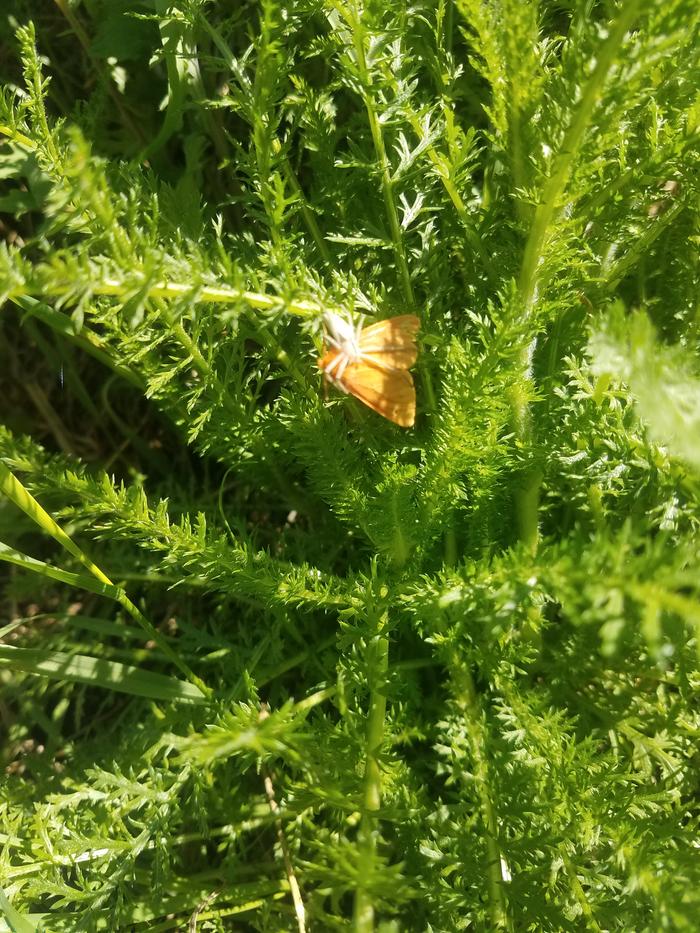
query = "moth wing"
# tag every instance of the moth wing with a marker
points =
(400, 331)
(391, 360)
(391, 344)
(389, 393)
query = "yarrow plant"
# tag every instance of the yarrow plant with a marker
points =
(270, 661)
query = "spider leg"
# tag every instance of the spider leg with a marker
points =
(334, 364)
(337, 382)
(344, 360)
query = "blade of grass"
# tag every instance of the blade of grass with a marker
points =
(18, 923)
(79, 580)
(99, 672)
(103, 627)
(15, 491)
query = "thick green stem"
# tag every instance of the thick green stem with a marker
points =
(205, 293)
(546, 212)
(527, 505)
(527, 495)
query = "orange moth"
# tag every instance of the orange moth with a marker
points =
(372, 363)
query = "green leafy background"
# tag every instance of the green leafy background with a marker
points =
(269, 662)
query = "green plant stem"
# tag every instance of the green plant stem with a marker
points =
(467, 701)
(380, 149)
(564, 162)
(158, 293)
(32, 74)
(528, 506)
(579, 893)
(378, 651)
(516, 155)
(234, 66)
(12, 133)
(262, 119)
(443, 170)
(640, 247)
(208, 293)
(306, 211)
(527, 496)
(190, 346)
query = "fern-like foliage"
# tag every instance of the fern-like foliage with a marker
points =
(443, 678)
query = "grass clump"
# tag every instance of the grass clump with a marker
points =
(271, 662)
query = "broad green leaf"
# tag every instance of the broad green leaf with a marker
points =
(663, 380)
